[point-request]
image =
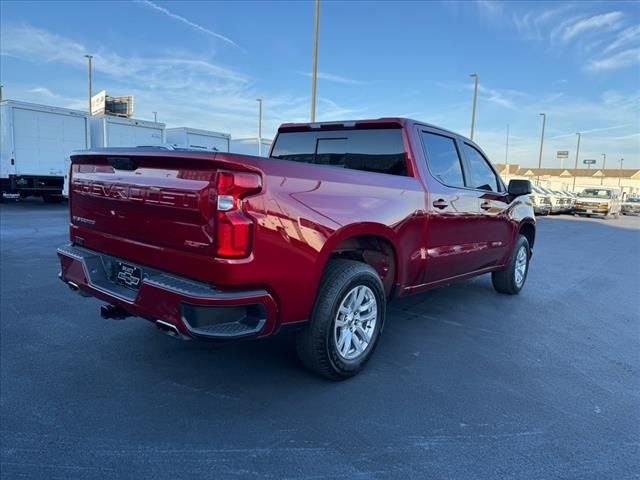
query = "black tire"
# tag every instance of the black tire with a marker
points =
(52, 198)
(504, 281)
(316, 344)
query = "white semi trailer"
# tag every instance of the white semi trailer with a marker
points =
(185, 137)
(112, 131)
(251, 146)
(35, 143)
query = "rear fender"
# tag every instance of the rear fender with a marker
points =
(351, 231)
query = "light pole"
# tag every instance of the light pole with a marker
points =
(544, 121)
(259, 100)
(155, 117)
(506, 155)
(576, 166)
(314, 71)
(89, 57)
(475, 98)
(620, 171)
(604, 164)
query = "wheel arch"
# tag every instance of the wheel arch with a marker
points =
(371, 243)
(528, 229)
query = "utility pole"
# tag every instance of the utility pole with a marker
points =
(506, 154)
(89, 57)
(544, 121)
(604, 165)
(259, 100)
(475, 99)
(576, 166)
(314, 71)
(155, 117)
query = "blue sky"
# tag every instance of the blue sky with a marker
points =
(203, 64)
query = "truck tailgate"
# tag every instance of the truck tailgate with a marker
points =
(160, 201)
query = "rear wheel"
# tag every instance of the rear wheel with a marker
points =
(347, 318)
(512, 278)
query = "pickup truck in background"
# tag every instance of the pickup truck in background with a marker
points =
(341, 218)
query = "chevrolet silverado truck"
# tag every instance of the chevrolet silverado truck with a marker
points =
(339, 219)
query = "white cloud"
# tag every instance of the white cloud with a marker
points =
(496, 97)
(187, 22)
(625, 37)
(619, 60)
(606, 21)
(533, 24)
(184, 90)
(334, 78)
(613, 110)
(490, 8)
(594, 130)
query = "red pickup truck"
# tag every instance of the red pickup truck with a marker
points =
(339, 219)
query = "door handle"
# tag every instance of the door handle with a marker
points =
(440, 203)
(485, 206)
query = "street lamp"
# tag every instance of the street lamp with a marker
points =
(604, 164)
(544, 121)
(89, 57)
(475, 98)
(155, 117)
(314, 71)
(259, 100)
(576, 166)
(620, 171)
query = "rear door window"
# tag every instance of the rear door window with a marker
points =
(370, 150)
(443, 159)
(482, 175)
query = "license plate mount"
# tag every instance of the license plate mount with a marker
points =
(128, 275)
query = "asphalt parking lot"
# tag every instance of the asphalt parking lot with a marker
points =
(466, 383)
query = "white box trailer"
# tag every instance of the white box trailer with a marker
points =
(185, 137)
(35, 143)
(249, 146)
(111, 131)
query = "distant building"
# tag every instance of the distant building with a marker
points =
(627, 179)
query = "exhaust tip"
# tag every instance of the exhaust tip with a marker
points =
(169, 329)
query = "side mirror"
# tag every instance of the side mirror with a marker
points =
(519, 187)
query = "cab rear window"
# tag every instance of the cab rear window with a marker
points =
(369, 150)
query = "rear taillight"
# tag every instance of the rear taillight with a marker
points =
(234, 229)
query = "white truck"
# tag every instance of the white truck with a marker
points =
(112, 131)
(35, 143)
(192, 138)
(249, 146)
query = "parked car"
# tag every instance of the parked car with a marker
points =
(567, 201)
(341, 217)
(599, 201)
(540, 201)
(571, 200)
(631, 206)
(557, 203)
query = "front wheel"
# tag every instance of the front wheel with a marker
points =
(512, 278)
(347, 318)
